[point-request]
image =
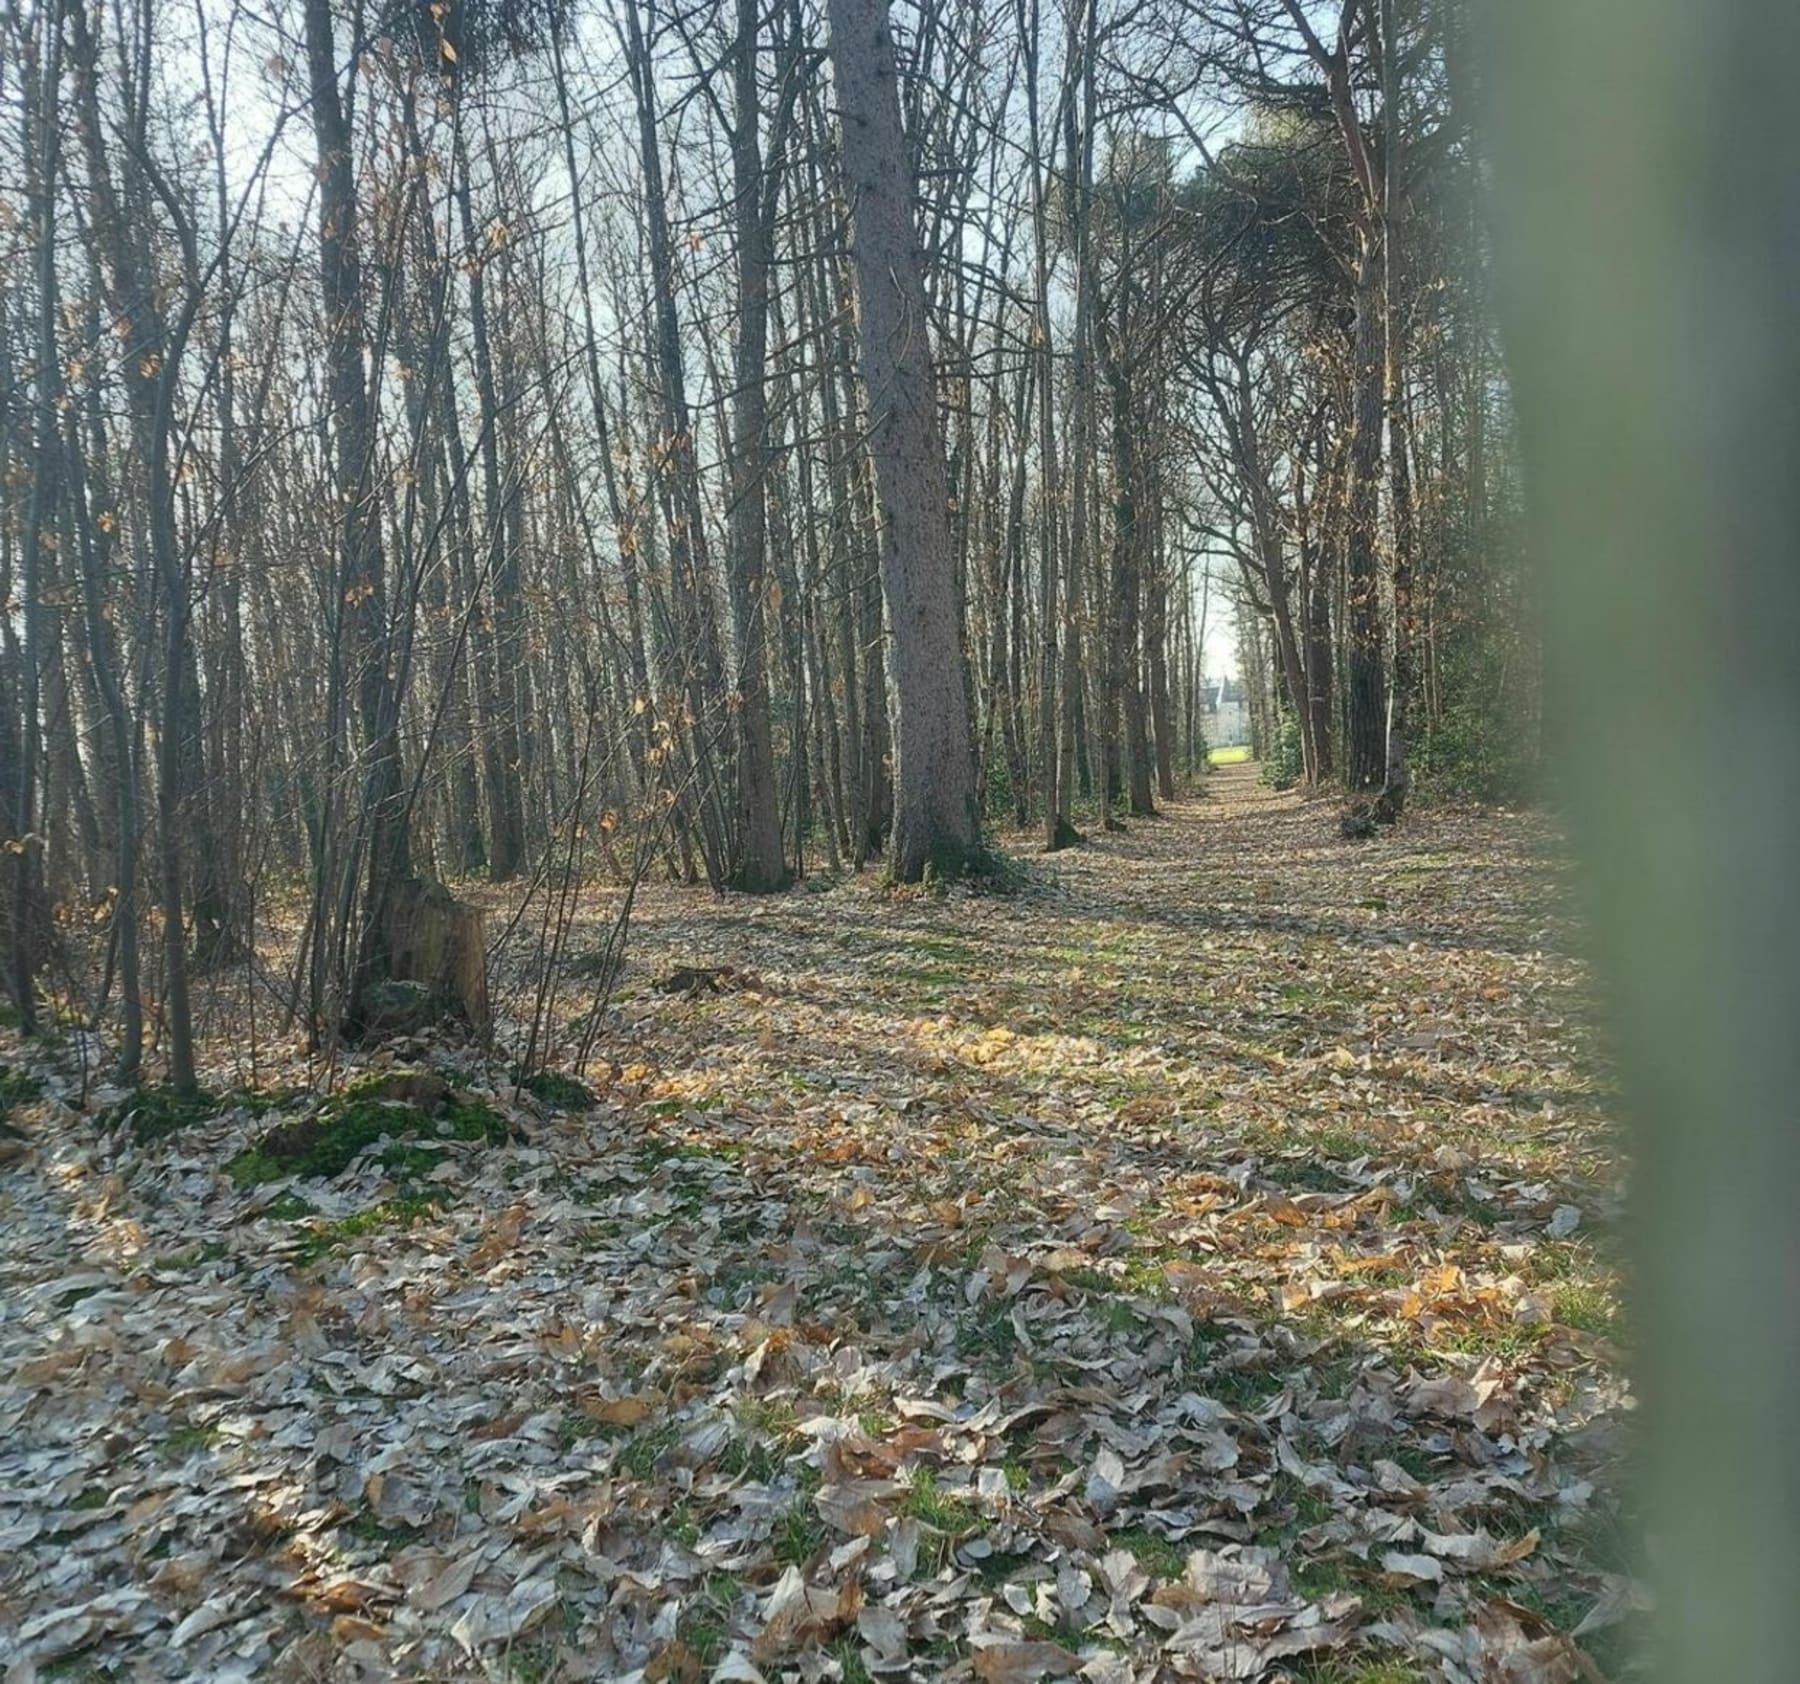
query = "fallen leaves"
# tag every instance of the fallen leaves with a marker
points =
(1177, 1274)
(1006, 1662)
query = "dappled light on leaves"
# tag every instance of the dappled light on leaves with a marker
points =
(1178, 1271)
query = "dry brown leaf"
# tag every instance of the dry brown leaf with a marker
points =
(1022, 1663)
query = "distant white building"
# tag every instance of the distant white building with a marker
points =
(1224, 718)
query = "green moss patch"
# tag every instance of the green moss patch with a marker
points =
(553, 1088)
(404, 1210)
(17, 1086)
(155, 1113)
(340, 1131)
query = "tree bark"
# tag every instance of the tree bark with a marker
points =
(757, 865)
(935, 821)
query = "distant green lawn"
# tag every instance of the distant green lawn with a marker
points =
(1229, 756)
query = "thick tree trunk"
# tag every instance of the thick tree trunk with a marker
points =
(1315, 578)
(1365, 753)
(1647, 219)
(934, 802)
(1074, 769)
(1156, 647)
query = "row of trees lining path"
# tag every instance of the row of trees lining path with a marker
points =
(540, 442)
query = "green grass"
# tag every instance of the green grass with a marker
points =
(847, 1652)
(1238, 1388)
(706, 1634)
(194, 1257)
(77, 1669)
(287, 1207)
(799, 1535)
(989, 1334)
(940, 1510)
(1310, 1509)
(744, 1458)
(184, 1440)
(1584, 1306)
(640, 1456)
(1355, 1672)
(154, 1113)
(1157, 1555)
(1410, 1458)
(368, 1526)
(1235, 756)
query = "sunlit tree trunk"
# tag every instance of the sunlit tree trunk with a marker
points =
(934, 798)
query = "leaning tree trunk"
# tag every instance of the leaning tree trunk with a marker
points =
(934, 796)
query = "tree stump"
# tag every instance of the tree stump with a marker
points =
(434, 942)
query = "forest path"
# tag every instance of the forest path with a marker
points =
(1178, 1268)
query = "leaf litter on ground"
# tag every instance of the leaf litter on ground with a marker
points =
(1196, 1266)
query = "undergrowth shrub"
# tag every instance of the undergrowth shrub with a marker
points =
(1286, 763)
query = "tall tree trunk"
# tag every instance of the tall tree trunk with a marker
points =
(360, 608)
(757, 865)
(1648, 215)
(42, 148)
(935, 821)
(1366, 724)
(678, 472)
(624, 529)
(1366, 748)
(150, 355)
(1127, 580)
(95, 526)
(1079, 107)
(496, 697)
(1054, 794)
(1394, 789)
(1156, 645)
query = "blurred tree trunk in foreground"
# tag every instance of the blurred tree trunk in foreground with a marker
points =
(1649, 229)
